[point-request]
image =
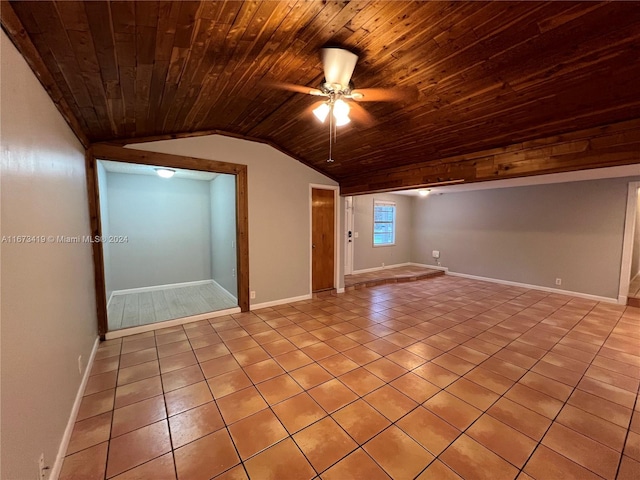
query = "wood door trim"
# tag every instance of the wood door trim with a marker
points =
(633, 192)
(336, 228)
(93, 196)
(120, 154)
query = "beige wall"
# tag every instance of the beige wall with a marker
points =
(532, 235)
(365, 255)
(279, 220)
(48, 304)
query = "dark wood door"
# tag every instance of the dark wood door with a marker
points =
(322, 239)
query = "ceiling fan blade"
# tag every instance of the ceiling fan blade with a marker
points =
(385, 94)
(292, 87)
(338, 65)
(361, 116)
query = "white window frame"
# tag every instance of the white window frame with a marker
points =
(384, 203)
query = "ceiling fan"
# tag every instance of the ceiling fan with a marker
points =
(340, 96)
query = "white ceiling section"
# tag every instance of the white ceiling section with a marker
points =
(136, 169)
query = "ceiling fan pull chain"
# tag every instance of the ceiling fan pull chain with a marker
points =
(330, 160)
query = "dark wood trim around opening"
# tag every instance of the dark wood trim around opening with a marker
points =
(119, 154)
(96, 229)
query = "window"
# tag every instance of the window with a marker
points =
(384, 223)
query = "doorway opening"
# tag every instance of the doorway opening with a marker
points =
(349, 235)
(170, 249)
(629, 292)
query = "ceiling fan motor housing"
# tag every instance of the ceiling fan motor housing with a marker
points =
(336, 88)
(338, 65)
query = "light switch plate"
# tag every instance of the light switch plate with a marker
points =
(435, 254)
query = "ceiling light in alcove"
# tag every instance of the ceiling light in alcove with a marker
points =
(165, 172)
(424, 192)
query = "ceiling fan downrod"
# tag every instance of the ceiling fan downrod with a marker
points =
(331, 134)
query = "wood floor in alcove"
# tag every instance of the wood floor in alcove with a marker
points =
(135, 309)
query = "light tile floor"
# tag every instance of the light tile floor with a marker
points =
(440, 379)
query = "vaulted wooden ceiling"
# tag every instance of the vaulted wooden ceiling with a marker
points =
(487, 74)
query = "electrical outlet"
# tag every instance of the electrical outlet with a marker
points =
(253, 294)
(80, 364)
(42, 469)
(233, 272)
(558, 281)
(382, 264)
(435, 254)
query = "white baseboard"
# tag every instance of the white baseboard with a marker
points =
(227, 292)
(340, 290)
(160, 287)
(280, 302)
(570, 293)
(375, 269)
(587, 296)
(169, 323)
(109, 300)
(66, 437)
(425, 265)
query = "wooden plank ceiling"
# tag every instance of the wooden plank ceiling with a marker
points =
(488, 74)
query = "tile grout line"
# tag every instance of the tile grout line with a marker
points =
(496, 352)
(528, 370)
(388, 383)
(566, 402)
(400, 348)
(419, 404)
(500, 396)
(633, 410)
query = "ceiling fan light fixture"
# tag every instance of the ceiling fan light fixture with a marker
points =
(342, 120)
(321, 111)
(423, 192)
(340, 108)
(341, 112)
